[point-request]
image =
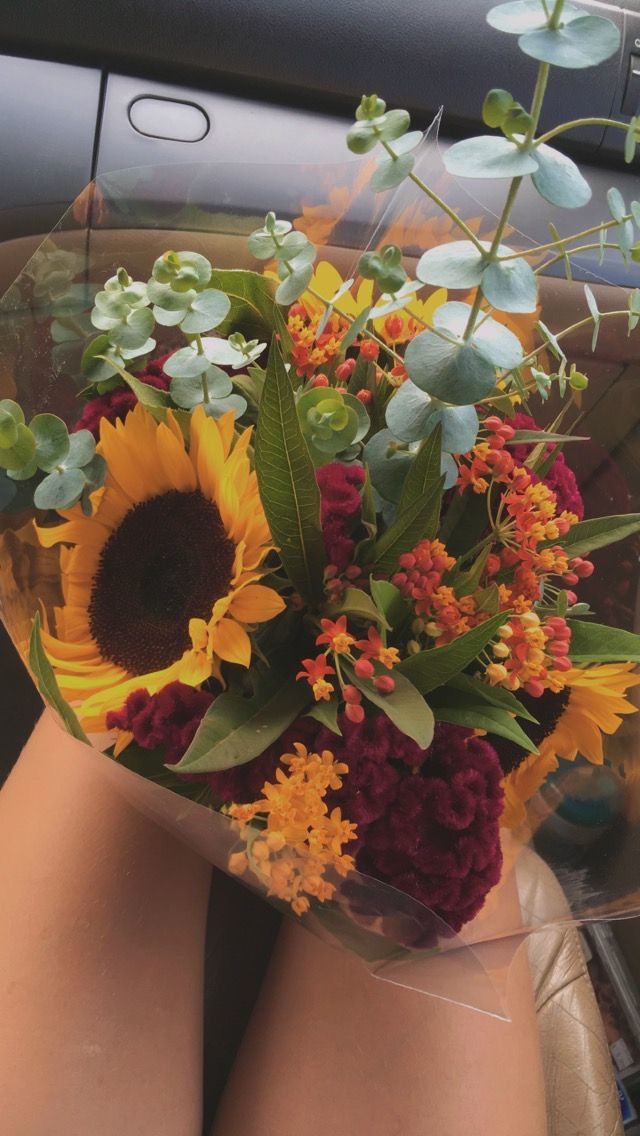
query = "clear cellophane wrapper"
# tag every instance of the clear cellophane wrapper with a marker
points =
(575, 858)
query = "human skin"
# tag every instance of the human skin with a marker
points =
(102, 924)
(331, 1049)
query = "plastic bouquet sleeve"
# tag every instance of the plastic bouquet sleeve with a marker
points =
(322, 545)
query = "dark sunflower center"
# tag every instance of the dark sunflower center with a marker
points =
(548, 709)
(168, 562)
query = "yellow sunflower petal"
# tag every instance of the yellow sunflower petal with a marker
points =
(230, 641)
(175, 461)
(255, 604)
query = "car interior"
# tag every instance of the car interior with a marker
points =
(250, 99)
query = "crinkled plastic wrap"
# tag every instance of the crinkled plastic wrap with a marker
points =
(576, 857)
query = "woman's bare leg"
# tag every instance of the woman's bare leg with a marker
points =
(102, 922)
(332, 1050)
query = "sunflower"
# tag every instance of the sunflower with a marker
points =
(160, 582)
(572, 722)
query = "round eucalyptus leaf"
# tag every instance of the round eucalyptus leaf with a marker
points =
(82, 448)
(168, 318)
(188, 392)
(582, 42)
(635, 211)
(306, 256)
(164, 296)
(391, 172)
(488, 157)
(95, 472)
(409, 412)
(135, 352)
(510, 286)
(8, 430)
(616, 204)
(361, 138)
(207, 310)
(294, 285)
(103, 322)
(408, 142)
(52, 440)
(396, 302)
(387, 466)
(219, 406)
(59, 490)
(135, 330)
(224, 354)
(291, 247)
(452, 372)
(497, 344)
(262, 245)
(12, 408)
(363, 422)
(7, 491)
(22, 452)
(525, 15)
(395, 124)
(24, 474)
(457, 264)
(449, 468)
(187, 363)
(452, 317)
(559, 180)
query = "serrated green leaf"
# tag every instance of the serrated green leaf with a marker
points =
(435, 666)
(288, 488)
(235, 729)
(405, 707)
(47, 683)
(598, 643)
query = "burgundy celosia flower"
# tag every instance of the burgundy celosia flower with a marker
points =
(559, 478)
(117, 403)
(169, 718)
(341, 503)
(428, 820)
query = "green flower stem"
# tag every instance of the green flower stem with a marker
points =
(575, 123)
(433, 196)
(536, 107)
(205, 388)
(573, 251)
(352, 319)
(566, 240)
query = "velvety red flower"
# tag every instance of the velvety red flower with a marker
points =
(117, 403)
(169, 718)
(427, 820)
(560, 479)
(340, 507)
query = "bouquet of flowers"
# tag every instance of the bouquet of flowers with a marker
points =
(308, 553)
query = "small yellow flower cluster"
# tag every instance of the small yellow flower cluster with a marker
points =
(301, 839)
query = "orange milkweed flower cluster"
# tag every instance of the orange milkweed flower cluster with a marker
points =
(301, 839)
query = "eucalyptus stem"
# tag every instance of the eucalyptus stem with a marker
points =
(577, 122)
(573, 251)
(562, 241)
(437, 200)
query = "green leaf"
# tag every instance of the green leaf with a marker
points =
(520, 16)
(452, 706)
(592, 305)
(235, 729)
(8, 430)
(598, 532)
(47, 683)
(552, 343)
(559, 180)
(59, 490)
(430, 669)
(538, 436)
(358, 604)
(510, 286)
(52, 440)
(597, 643)
(478, 691)
(294, 285)
(208, 310)
(288, 487)
(148, 396)
(358, 325)
(22, 452)
(497, 104)
(457, 264)
(488, 157)
(390, 601)
(10, 407)
(419, 521)
(405, 707)
(411, 415)
(325, 712)
(452, 372)
(253, 307)
(391, 172)
(423, 477)
(82, 448)
(583, 42)
(395, 124)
